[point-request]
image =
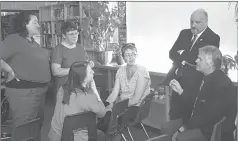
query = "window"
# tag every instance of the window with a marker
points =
(154, 27)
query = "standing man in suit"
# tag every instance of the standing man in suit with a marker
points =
(184, 51)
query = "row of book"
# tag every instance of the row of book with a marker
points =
(72, 11)
(51, 27)
(48, 40)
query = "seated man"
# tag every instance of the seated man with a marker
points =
(216, 99)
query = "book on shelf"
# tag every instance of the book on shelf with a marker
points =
(58, 14)
(73, 11)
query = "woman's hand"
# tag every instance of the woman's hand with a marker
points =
(109, 106)
(91, 63)
(174, 84)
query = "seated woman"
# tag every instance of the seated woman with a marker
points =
(132, 82)
(76, 96)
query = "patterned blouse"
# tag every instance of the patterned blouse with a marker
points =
(128, 87)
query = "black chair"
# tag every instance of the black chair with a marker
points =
(113, 127)
(86, 120)
(26, 132)
(142, 114)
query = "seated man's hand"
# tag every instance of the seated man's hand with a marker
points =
(180, 51)
(174, 84)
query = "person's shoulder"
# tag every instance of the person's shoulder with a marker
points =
(211, 32)
(13, 37)
(121, 68)
(141, 68)
(221, 79)
(185, 31)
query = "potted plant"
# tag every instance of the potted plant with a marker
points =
(229, 63)
(101, 23)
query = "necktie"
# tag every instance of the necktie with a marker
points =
(193, 40)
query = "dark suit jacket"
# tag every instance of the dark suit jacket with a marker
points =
(190, 79)
(183, 42)
(216, 99)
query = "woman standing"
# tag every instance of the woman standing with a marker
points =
(27, 65)
(67, 53)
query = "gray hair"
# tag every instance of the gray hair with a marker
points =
(213, 54)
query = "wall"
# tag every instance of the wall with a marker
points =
(154, 27)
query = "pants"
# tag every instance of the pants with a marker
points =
(26, 104)
(129, 115)
(53, 136)
(170, 127)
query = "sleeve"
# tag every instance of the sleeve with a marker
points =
(173, 54)
(8, 48)
(216, 41)
(95, 105)
(119, 73)
(213, 111)
(143, 73)
(57, 55)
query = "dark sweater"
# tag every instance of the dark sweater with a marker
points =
(216, 99)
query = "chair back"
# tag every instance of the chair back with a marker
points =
(217, 131)
(86, 121)
(118, 109)
(27, 131)
(144, 109)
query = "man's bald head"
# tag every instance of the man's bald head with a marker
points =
(198, 21)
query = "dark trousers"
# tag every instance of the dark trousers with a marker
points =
(26, 104)
(129, 115)
(170, 127)
(125, 118)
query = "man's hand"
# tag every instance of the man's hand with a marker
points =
(180, 51)
(174, 84)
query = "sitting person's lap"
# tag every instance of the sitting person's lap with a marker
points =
(129, 115)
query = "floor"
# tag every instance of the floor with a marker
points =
(137, 131)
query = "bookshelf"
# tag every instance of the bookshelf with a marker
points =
(51, 18)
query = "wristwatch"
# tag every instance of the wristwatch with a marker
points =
(181, 129)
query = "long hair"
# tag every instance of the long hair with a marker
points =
(77, 74)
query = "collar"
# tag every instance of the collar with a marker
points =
(199, 34)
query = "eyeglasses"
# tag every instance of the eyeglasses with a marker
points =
(130, 55)
(72, 33)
